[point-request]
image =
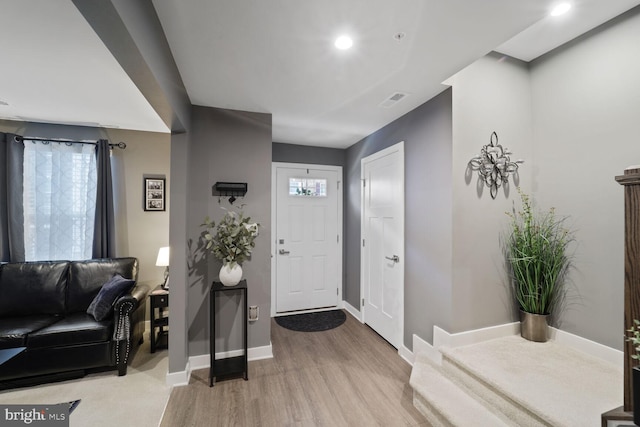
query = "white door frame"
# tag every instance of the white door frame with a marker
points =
(396, 147)
(274, 198)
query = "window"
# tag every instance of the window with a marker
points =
(308, 187)
(59, 200)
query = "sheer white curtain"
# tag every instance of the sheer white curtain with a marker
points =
(59, 200)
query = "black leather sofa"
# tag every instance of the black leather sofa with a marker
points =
(43, 315)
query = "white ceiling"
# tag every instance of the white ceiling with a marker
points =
(275, 57)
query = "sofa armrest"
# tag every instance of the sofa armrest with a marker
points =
(123, 309)
(128, 312)
(138, 293)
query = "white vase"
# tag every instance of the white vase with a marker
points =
(230, 274)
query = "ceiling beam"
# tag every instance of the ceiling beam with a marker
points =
(133, 34)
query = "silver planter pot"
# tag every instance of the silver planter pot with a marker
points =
(534, 327)
(635, 378)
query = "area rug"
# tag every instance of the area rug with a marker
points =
(313, 322)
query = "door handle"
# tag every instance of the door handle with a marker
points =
(394, 258)
(283, 252)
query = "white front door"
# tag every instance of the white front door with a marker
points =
(307, 251)
(382, 275)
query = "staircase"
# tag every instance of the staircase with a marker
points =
(513, 382)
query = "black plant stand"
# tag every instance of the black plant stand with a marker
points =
(232, 365)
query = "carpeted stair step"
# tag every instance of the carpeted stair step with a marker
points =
(443, 402)
(536, 384)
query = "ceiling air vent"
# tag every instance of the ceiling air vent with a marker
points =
(393, 99)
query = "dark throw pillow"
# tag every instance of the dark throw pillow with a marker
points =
(102, 305)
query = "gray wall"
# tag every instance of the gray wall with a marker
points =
(230, 146)
(293, 153)
(492, 94)
(586, 108)
(426, 132)
(178, 304)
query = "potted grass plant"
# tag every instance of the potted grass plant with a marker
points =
(538, 259)
(634, 338)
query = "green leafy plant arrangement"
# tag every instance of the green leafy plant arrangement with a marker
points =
(634, 338)
(536, 251)
(233, 239)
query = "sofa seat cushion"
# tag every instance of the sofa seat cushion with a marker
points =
(14, 330)
(74, 329)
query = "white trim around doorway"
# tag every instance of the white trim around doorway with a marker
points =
(338, 169)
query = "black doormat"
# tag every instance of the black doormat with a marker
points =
(313, 322)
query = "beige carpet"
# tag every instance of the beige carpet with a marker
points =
(136, 399)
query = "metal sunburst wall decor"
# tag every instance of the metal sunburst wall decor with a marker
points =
(494, 165)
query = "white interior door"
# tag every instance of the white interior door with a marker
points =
(382, 275)
(307, 251)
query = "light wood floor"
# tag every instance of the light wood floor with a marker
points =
(347, 376)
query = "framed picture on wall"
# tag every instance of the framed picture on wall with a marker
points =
(154, 194)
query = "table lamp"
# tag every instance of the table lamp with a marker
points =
(163, 261)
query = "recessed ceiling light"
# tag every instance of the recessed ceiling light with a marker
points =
(560, 9)
(343, 42)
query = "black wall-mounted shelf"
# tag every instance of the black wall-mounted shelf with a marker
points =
(230, 189)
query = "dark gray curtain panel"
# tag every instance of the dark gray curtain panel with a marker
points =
(104, 227)
(11, 205)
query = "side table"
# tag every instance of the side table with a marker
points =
(231, 365)
(158, 303)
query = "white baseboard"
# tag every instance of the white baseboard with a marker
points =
(406, 354)
(421, 346)
(608, 354)
(444, 338)
(180, 378)
(259, 353)
(353, 311)
(202, 362)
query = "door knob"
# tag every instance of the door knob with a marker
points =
(394, 258)
(283, 252)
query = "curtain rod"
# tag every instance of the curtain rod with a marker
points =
(120, 144)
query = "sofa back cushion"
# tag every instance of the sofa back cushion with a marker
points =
(36, 287)
(87, 277)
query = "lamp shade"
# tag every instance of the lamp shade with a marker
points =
(163, 257)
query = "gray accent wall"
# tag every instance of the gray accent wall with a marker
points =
(586, 107)
(492, 94)
(426, 132)
(232, 146)
(293, 153)
(178, 226)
